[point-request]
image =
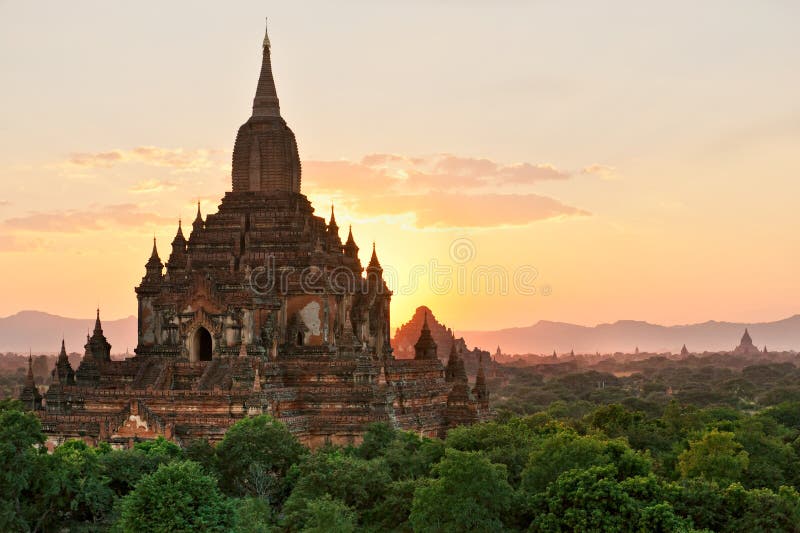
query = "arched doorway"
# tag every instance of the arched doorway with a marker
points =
(201, 345)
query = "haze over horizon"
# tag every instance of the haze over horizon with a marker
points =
(654, 182)
(43, 332)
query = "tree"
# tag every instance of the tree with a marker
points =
(410, 456)
(509, 443)
(715, 457)
(83, 493)
(203, 453)
(567, 450)
(159, 447)
(358, 483)
(595, 500)
(124, 468)
(736, 509)
(468, 493)
(328, 515)
(407, 455)
(177, 497)
(21, 459)
(771, 461)
(377, 437)
(762, 509)
(392, 512)
(254, 515)
(255, 456)
(786, 414)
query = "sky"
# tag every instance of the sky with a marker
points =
(583, 162)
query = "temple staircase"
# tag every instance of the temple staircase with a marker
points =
(148, 374)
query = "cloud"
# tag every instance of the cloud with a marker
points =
(528, 173)
(15, 243)
(344, 177)
(175, 158)
(441, 190)
(376, 160)
(456, 210)
(92, 219)
(436, 190)
(604, 171)
(152, 185)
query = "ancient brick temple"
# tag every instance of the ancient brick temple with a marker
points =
(262, 309)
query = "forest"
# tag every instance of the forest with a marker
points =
(698, 445)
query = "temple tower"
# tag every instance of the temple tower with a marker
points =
(30, 396)
(265, 155)
(425, 347)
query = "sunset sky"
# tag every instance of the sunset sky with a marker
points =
(641, 158)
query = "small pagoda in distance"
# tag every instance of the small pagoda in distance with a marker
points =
(746, 346)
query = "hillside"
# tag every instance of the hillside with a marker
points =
(41, 332)
(626, 335)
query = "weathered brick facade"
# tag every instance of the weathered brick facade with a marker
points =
(262, 309)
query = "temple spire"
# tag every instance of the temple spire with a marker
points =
(62, 355)
(266, 43)
(350, 247)
(425, 347)
(98, 328)
(373, 261)
(154, 266)
(29, 396)
(154, 259)
(29, 377)
(179, 239)
(265, 103)
(333, 219)
(198, 223)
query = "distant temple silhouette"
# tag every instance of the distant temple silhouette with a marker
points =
(746, 346)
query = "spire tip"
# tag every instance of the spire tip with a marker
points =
(266, 33)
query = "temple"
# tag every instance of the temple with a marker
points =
(262, 309)
(746, 346)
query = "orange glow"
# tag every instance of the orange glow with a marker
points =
(654, 180)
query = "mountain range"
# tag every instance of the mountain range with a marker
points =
(626, 335)
(42, 333)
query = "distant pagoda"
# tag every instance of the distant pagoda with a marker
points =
(746, 346)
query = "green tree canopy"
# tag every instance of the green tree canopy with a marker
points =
(328, 515)
(468, 493)
(360, 484)
(567, 450)
(178, 497)
(715, 457)
(255, 456)
(595, 500)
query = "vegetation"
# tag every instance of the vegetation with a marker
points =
(623, 456)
